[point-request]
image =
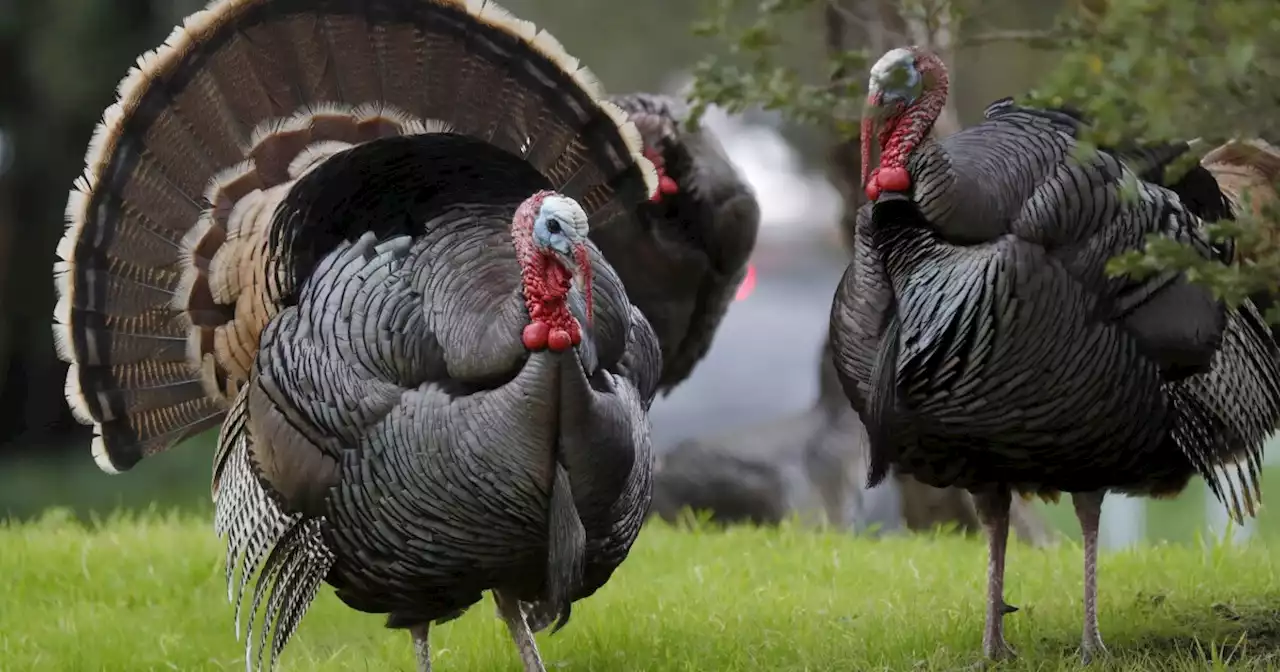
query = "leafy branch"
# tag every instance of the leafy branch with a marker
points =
(1148, 71)
(751, 75)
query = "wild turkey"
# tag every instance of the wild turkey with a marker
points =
(980, 338)
(692, 253)
(355, 234)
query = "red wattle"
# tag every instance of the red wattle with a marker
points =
(887, 178)
(536, 336)
(894, 178)
(559, 340)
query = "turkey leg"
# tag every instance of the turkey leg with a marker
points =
(1088, 507)
(993, 512)
(509, 610)
(421, 646)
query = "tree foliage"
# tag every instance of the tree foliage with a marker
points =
(1142, 70)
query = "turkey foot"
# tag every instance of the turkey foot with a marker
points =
(1088, 507)
(510, 611)
(993, 512)
(422, 646)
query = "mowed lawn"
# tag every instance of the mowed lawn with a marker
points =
(147, 593)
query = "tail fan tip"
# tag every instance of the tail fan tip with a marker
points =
(148, 216)
(1247, 172)
(1254, 152)
(1242, 164)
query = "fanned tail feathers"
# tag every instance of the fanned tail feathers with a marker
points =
(166, 275)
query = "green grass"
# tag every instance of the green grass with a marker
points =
(146, 592)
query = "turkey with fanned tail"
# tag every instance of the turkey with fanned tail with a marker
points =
(980, 337)
(360, 236)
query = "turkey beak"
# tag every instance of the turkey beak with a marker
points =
(583, 263)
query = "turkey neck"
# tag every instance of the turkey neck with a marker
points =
(905, 131)
(940, 179)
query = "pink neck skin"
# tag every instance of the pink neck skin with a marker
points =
(905, 130)
(546, 284)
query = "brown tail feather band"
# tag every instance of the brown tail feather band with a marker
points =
(226, 290)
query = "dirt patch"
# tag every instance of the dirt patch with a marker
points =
(1244, 635)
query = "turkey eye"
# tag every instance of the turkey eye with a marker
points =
(553, 226)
